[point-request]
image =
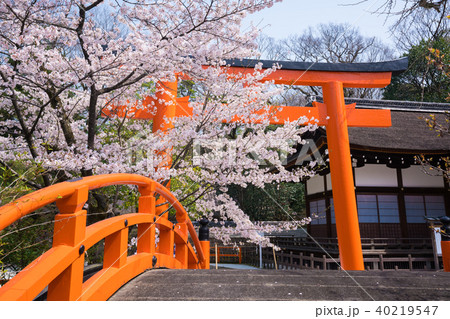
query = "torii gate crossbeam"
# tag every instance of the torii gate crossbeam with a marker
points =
(333, 114)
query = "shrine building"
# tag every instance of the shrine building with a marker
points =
(394, 192)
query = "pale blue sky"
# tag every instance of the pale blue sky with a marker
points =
(294, 16)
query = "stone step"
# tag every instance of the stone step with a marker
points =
(277, 285)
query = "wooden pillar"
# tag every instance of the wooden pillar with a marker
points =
(166, 241)
(327, 206)
(181, 248)
(344, 199)
(146, 232)
(402, 205)
(115, 252)
(203, 236)
(308, 210)
(70, 230)
(167, 93)
(446, 196)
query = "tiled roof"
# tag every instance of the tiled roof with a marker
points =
(394, 66)
(409, 131)
(421, 107)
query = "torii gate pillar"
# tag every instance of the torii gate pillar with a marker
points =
(166, 99)
(344, 199)
(166, 92)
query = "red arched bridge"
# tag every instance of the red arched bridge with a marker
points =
(61, 267)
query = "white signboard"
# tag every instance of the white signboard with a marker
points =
(437, 240)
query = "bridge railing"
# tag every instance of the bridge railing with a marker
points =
(61, 267)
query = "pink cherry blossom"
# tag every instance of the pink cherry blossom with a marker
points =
(63, 61)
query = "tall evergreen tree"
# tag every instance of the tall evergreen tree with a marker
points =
(422, 81)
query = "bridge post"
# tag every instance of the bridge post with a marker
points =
(70, 229)
(181, 248)
(445, 242)
(166, 241)
(203, 236)
(115, 251)
(146, 232)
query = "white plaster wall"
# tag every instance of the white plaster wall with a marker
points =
(329, 187)
(315, 185)
(415, 176)
(376, 175)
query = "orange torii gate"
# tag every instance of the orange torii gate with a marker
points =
(333, 114)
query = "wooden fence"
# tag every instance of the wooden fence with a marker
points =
(292, 260)
(225, 251)
(379, 254)
(370, 246)
(301, 260)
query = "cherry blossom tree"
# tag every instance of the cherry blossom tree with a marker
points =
(61, 66)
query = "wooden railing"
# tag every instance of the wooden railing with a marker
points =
(379, 254)
(226, 251)
(370, 246)
(61, 267)
(310, 261)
